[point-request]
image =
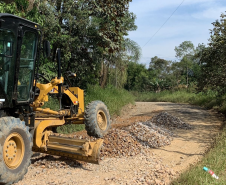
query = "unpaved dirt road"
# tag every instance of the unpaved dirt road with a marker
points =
(157, 166)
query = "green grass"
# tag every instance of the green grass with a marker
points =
(113, 97)
(164, 96)
(208, 100)
(70, 128)
(214, 160)
(52, 103)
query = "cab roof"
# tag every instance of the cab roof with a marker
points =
(7, 15)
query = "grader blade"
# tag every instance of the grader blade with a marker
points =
(81, 150)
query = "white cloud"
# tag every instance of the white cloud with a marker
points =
(143, 7)
(191, 22)
(210, 13)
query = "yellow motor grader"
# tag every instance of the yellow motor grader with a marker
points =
(26, 127)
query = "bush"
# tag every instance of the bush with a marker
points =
(209, 99)
(113, 97)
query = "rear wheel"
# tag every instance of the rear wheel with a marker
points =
(15, 149)
(97, 119)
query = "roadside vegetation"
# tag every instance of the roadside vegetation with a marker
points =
(214, 160)
(114, 98)
(208, 100)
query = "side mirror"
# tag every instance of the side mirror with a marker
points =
(46, 48)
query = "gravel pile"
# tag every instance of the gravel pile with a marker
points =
(120, 143)
(138, 137)
(169, 121)
(152, 137)
(134, 139)
(159, 128)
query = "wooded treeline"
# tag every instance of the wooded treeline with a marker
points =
(201, 68)
(166, 74)
(92, 37)
(90, 33)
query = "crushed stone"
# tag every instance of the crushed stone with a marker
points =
(169, 121)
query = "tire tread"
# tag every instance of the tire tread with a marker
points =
(6, 125)
(91, 125)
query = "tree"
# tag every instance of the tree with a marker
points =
(213, 65)
(23, 5)
(159, 71)
(160, 67)
(198, 53)
(185, 51)
(118, 61)
(186, 48)
(137, 79)
(132, 50)
(119, 67)
(90, 34)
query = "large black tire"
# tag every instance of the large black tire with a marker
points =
(97, 119)
(15, 149)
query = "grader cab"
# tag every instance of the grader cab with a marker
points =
(24, 125)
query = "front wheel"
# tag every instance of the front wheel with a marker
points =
(15, 149)
(97, 119)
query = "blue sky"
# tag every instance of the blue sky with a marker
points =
(191, 22)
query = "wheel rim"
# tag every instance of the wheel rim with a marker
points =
(13, 150)
(101, 120)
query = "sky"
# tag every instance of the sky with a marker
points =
(190, 22)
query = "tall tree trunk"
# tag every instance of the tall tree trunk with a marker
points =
(103, 74)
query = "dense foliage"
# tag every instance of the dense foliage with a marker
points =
(213, 59)
(164, 74)
(90, 34)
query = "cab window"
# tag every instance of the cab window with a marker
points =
(7, 64)
(27, 59)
